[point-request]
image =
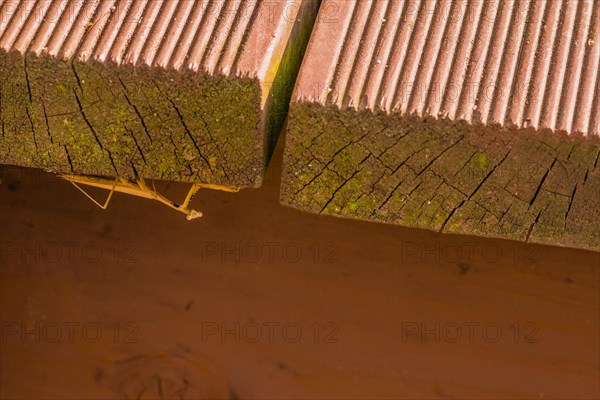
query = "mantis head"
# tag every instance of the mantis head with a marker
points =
(194, 214)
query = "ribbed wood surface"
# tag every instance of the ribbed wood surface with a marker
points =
(227, 37)
(519, 63)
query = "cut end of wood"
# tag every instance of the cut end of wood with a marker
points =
(443, 175)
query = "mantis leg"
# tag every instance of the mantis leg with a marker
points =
(183, 207)
(191, 214)
(94, 200)
(232, 189)
(195, 187)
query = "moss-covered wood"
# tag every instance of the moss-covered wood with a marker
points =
(104, 119)
(540, 187)
(90, 118)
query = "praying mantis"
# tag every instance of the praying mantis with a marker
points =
(138, 187)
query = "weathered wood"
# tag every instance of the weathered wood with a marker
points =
(177, 90)
(384, 126)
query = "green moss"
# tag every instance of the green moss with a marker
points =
(216, 138)
(352, 205)
(482, 161)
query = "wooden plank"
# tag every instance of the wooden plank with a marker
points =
(468, 117)
(179, 90)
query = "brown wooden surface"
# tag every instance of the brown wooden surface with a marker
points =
(169, 283)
